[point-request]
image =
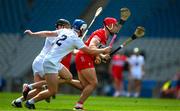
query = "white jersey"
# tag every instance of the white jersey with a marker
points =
(37, 65)
(65, 43)
(136, 64)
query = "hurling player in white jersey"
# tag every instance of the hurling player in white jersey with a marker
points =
(37, 65)
(136, 69)
(66, 42)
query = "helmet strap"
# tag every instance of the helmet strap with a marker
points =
(108, 28)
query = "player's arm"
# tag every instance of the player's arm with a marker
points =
(92, 49)
(94, 42)
(42, 33)
(79, 44)
(93, 45)
(95, 51)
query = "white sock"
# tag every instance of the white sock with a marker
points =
(128, 94)
(116, 94)
(79, 105)
(136, 94)
(30, 86)
(31, 101)
(18, 100)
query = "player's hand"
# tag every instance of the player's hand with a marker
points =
(107, 50)
(125, 13)
(97, 60)
(29, 32)
(105, 57)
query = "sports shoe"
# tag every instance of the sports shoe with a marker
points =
(29, 106)
(116, 94)
(26, 90)
(16, 104)
(54, 96)
(78, 108)
(48, 100)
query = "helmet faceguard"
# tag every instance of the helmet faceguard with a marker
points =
(79, 26)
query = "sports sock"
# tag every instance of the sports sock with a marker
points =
(31, 101)
(19, 100)
(30, 86)
(136, 94)
(79, 104)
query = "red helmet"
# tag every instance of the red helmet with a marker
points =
(109, 21)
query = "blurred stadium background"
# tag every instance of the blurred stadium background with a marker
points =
(161, 44)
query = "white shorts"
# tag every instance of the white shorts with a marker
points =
(50, 67)
(136, 76)
(37, 67)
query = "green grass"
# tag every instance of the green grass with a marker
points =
(95, 103)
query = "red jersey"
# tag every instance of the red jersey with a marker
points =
(100, 33)
(84, 60)
(101, 36)
(118, 62)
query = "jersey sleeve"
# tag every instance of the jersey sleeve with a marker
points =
(58, 31)
(78, 43)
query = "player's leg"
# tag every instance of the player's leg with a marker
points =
(84, 83)
(117, 87)
(52, 82)
(137, 87)
(65, 76)
(121, 84)
(76, 83)
(30, 90)
(38, 70)
(130, 86)
(18, 102)
(122, 92)
(88, 75)
(178, 92)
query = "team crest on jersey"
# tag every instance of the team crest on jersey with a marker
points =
(89, 64)
(82, 59)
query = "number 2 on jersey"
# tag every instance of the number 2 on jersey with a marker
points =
(59, 41)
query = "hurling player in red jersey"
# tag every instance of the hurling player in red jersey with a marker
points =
(116, 69)
(85, 62)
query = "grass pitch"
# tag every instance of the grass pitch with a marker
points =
(94, 103)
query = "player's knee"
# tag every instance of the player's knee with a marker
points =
(53, 91)
(94, 84)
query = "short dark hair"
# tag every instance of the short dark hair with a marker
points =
(62, 22)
